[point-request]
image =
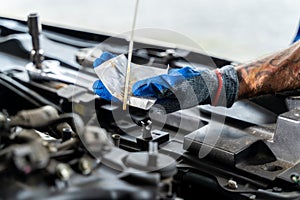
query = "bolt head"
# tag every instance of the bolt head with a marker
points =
(85, 166)
(63, 171)
(232, 184)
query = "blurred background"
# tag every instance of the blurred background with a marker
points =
(232, 29)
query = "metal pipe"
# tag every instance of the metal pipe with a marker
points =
(35, 29)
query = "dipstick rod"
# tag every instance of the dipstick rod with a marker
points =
(127, 78)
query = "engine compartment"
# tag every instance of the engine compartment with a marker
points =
(59, 140)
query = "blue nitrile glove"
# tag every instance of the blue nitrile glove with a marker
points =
(98, 86)
(297, 37)
(186, 87)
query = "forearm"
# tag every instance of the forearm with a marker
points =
(274, 73)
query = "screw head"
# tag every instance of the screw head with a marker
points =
(85, 166)
(63, 171)
(232, 184)
(295, 177)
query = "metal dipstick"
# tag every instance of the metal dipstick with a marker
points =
(127, 77)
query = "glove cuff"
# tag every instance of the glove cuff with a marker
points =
(230, 86)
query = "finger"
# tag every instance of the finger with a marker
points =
(101, 90)
(186, 72)
(103, 58)
(159, 86)
(152, 87)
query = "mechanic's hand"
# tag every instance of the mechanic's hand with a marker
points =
(186, 87)
(98, 86)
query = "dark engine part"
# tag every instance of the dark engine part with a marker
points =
(33, 161)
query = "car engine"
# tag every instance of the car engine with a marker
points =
(59, 140)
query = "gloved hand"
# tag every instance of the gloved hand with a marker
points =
(186, 87)
(181, 88)
(98, 86)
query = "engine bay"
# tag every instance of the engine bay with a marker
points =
(61, 141)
